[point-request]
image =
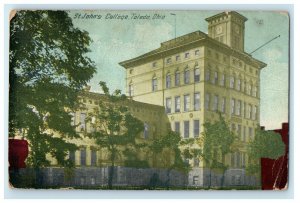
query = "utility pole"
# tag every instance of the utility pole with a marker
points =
(173, 14)
(264, 44)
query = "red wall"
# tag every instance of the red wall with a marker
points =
(274, 173)
(18, 152)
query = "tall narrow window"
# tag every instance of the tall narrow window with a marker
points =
(168, 105)
(186, 76)
(130, 88)
(231, 82)
(83, 156)
(177, 78)
(215, 81)
(146, 130)
(154, 84)
(186, 103)
(207, 97)
(187, 55)
(207, 75)
(249, 111)
(232, 106)
(186, 129)
(197, 52)
(197, 75)
(177, 104)
(238, 87)
(223, 106)
(168, 80)
(239, 131)
(254, 93)
(244, 134)
(72, 156)
(197, 101)
(250, 134)
(254, 113)
(82, 121)
(216, 103)
(93, 157)
(238, 107)
(196, 128)
(249, 89)
(222, 81)
(177, 127)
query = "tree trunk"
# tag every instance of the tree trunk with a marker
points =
(111, 170)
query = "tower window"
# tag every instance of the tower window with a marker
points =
(168, 105)
(186, 129)
(177, 78)
(154, 84)
(177, 104)
(197, 75)
(186, 76)
(168, 80)
(186, 102)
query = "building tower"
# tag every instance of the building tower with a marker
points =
(196, 75)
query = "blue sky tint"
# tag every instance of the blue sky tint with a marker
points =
(116, 40)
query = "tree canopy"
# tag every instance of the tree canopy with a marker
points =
(49, 66)
(117, 128)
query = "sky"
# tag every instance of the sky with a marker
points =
(116, 40)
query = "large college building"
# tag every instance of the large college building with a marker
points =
(197, 75)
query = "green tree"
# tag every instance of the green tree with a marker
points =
(217, 142)
(266, 144)
(117, 129)
(48, 68)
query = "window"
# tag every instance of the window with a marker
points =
(207, 75)
(239, 131)
(186, 129)
(72, 156)
(197, 101)
(72, 114)
(146, 130)
(250, 133)
(232, 106)
(177, 127)
(154, 64)
(168, 105)
(196, 128)
(222, 81)
(254, 94)
(238, 107)
(223, 105)
(244, 134)
(168, 80)
(177, 57)
(187, 55)
(216, 103)
(82, 121)
(177, 78)
(154, 84)
(197, 75)
(196, 162)
(130, 87)
(254, 113)
(207, 97)
(186, 104)
(83, 156)
(238, 87)
(231, 82)
(93, 157)
(186, 76)
(249, 89)
(249, 111)
(243, 159)
(177, 104)
(215, 81)
(197, 52)
(169, 60)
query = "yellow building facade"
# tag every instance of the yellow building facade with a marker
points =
(197, 75)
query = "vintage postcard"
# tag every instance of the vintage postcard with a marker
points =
(164, 100)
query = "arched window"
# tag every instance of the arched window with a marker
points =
(186, 76)
(154, 84)
(232, 81)
(197, 74)
(168, 80)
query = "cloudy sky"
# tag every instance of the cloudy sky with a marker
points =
(116, 40)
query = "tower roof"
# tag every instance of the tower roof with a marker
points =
(226, 13)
